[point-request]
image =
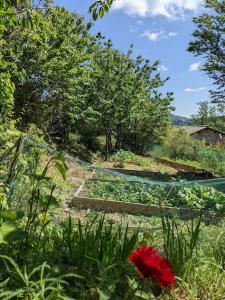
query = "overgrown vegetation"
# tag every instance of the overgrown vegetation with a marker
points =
(179, 146)
(198, 197)
(57, 80)
(79, 83)
(88, 261)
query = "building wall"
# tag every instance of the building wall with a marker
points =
(210, 136)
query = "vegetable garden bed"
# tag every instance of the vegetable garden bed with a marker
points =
(141, 199)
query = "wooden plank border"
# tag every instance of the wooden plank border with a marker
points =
(81, 187)
(138, 209)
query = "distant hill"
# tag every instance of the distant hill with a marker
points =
(178, 120)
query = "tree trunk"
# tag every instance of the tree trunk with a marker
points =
(108, 143)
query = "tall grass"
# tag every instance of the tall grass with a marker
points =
(180, 243)
(43, 259)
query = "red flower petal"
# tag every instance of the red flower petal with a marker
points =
(150, 264)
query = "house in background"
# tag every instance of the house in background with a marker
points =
(210, 135)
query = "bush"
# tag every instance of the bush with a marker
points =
(179, 146)
(122, 157)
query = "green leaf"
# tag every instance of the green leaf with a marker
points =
(4, 283)
(145, 296)
(95, 14)
(11, 215)
(101, 12)
(61, 168)
(50, 203)
(41, 177)
(89, 25)
(60, 157)
(103, 296)
(17, 235)
(106, 8)
(6, 229)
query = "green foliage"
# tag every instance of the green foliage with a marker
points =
(74, 82)
(12, 14)
(64, 80)
(16, 13)
(197, 197)
(180, 243)
(77, 260)
(55, 74)
(100, 251)
(122, 157)
(179, 146)
(211, 115)
(208, 42)
(99, 8)
(123, 101)
(38, 284)
(6, 95)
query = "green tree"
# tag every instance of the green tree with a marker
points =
(211, 115)
(123, 102)
(150, 113)
(209, 42)
(67, 81)
(111, 84)
(12, 14)
(49, 71)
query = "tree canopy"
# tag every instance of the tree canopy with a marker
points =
(209, 43)
(211, 115)
(67, 81)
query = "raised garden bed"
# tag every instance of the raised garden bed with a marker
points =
(140, 199)
(137, 208)
(186, 168)
(159, 169)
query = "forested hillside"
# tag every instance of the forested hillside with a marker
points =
(178, 120)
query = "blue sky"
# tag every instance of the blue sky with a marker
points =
(159, 29)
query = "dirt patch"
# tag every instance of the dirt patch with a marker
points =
(115, 218)
(148, 164)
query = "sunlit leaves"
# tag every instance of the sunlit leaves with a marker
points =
(11, 215)
(10, 232)
(99, 8)
(60, 164)
(49, 202)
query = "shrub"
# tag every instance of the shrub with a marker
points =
(178, 144)
(122, 157)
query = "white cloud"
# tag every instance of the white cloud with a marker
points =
(188, 90)
(163, 68)
(158, 35)
(194, 67)
(172, 34)
(152, 36)
(168, 8)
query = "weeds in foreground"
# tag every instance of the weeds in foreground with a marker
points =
(38, 284)
(44, 260)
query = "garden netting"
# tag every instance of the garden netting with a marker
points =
(105, 174)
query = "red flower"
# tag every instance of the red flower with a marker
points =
(149, 263)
